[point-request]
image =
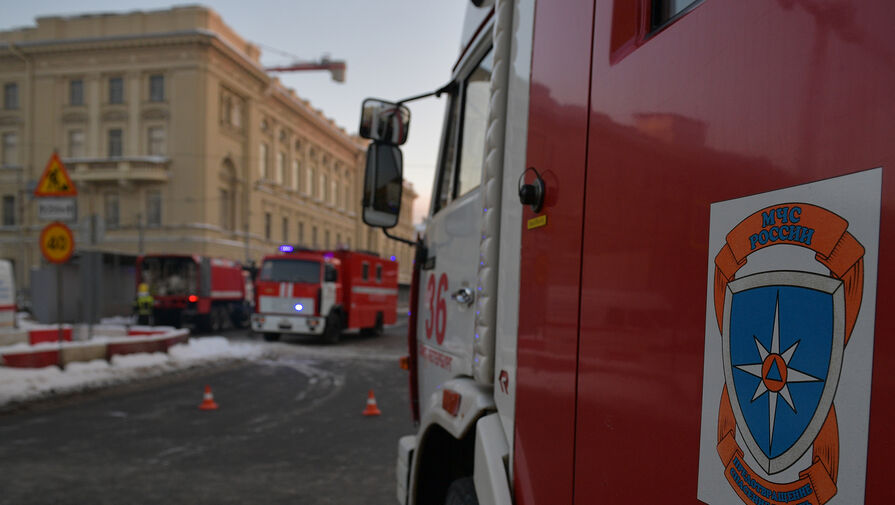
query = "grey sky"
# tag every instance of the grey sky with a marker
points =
(393, 48)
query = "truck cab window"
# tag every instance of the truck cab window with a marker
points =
(378, 273)
(664, 11)
(464, 141)
(475, 125)
(330, 274)
(365, 270)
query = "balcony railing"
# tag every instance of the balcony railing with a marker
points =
(121, 169)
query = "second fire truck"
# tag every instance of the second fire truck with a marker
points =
(324, 293)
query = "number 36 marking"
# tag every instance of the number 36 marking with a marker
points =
(437, 316)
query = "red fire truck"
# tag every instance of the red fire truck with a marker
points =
(324, 293)
(653, 258)
(206, 293)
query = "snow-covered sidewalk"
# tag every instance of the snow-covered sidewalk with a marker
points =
(19, 385)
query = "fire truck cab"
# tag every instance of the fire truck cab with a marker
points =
(324, 293)
(656, 256)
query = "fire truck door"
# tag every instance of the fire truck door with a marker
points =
(448, 280)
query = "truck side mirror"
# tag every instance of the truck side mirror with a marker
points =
(384, 122)
(383, 183)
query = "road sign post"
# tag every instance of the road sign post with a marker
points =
(57, 245)
(56, 202)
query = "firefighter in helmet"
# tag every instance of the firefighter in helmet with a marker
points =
(144, 304)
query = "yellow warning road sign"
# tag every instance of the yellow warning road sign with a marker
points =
(57, 243)
(55, 180)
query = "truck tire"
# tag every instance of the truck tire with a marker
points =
(271, 337)
(376, 329)
(333, 330)
(461, 492)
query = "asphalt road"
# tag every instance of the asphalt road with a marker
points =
(289, 430)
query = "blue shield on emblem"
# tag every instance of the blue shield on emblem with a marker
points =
(782, 344)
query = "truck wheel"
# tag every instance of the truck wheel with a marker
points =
(376, 329)
(461, 492)
(333, 330)
(271, 337)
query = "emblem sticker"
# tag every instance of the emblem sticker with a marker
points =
(789, 344)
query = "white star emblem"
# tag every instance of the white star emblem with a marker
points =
(770, 359)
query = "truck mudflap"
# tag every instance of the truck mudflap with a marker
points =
(406, 448)
(276, 323)
(491, 477)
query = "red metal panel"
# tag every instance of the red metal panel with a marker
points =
(49, 335)
(733, 99)
(550, 268)
(31, 359)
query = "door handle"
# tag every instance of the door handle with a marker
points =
(464, 296)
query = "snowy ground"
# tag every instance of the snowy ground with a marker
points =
(17, 385)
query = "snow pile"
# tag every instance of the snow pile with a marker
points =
(18, 384)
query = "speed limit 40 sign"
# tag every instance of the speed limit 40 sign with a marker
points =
(57, 243)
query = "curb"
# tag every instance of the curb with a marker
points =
(49, 353)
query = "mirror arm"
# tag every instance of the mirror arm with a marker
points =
(447, 88)
(399, 239)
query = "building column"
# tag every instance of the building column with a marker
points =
(133, 98)
(93, 144)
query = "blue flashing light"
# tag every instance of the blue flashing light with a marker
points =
(286, 248)
(329, 255)
(298, 307)
(392, 257)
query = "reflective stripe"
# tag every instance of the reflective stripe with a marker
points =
(367, 290)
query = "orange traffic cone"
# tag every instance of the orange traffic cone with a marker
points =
(208, 400)
(372, 409)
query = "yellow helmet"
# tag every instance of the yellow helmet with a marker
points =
(143, 287)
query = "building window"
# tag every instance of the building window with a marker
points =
(309, 186)
(115, 142)
(153, 208)
(301, 233)
(112, 214)
(157, 88)
(326, 239)
(281, 167)
(76, 92)
(236, 113)
(267, 220)
(265, 169)
(10, 149)
(314, 237)
(76, 143)
(285, 230)
(338, 240)
(116, 90)
(10, 96)
(226, 212)
(296, 174)
(336, 196)
(347, 202)
(156, 142)
(9, 210)
(324, 185)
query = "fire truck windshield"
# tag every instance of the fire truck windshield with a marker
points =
(291, 271)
